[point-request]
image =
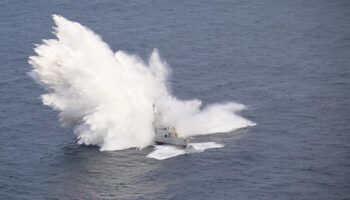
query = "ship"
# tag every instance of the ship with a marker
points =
(167, 134)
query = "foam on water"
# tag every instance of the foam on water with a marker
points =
(163, 152)
(109, 98)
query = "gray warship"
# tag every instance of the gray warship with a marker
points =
(165, 134)
(168, 135)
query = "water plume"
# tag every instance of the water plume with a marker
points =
(109, 98)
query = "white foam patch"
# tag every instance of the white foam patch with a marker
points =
(163, 152)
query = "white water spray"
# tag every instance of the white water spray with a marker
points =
(108, 98)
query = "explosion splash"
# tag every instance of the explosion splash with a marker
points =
(108, 97)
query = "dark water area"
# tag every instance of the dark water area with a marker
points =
(288, 61)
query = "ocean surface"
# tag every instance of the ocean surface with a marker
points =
(288, 61)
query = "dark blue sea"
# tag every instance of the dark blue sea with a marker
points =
(288, 61)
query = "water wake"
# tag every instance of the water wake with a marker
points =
(163, 152)
(108, 97)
